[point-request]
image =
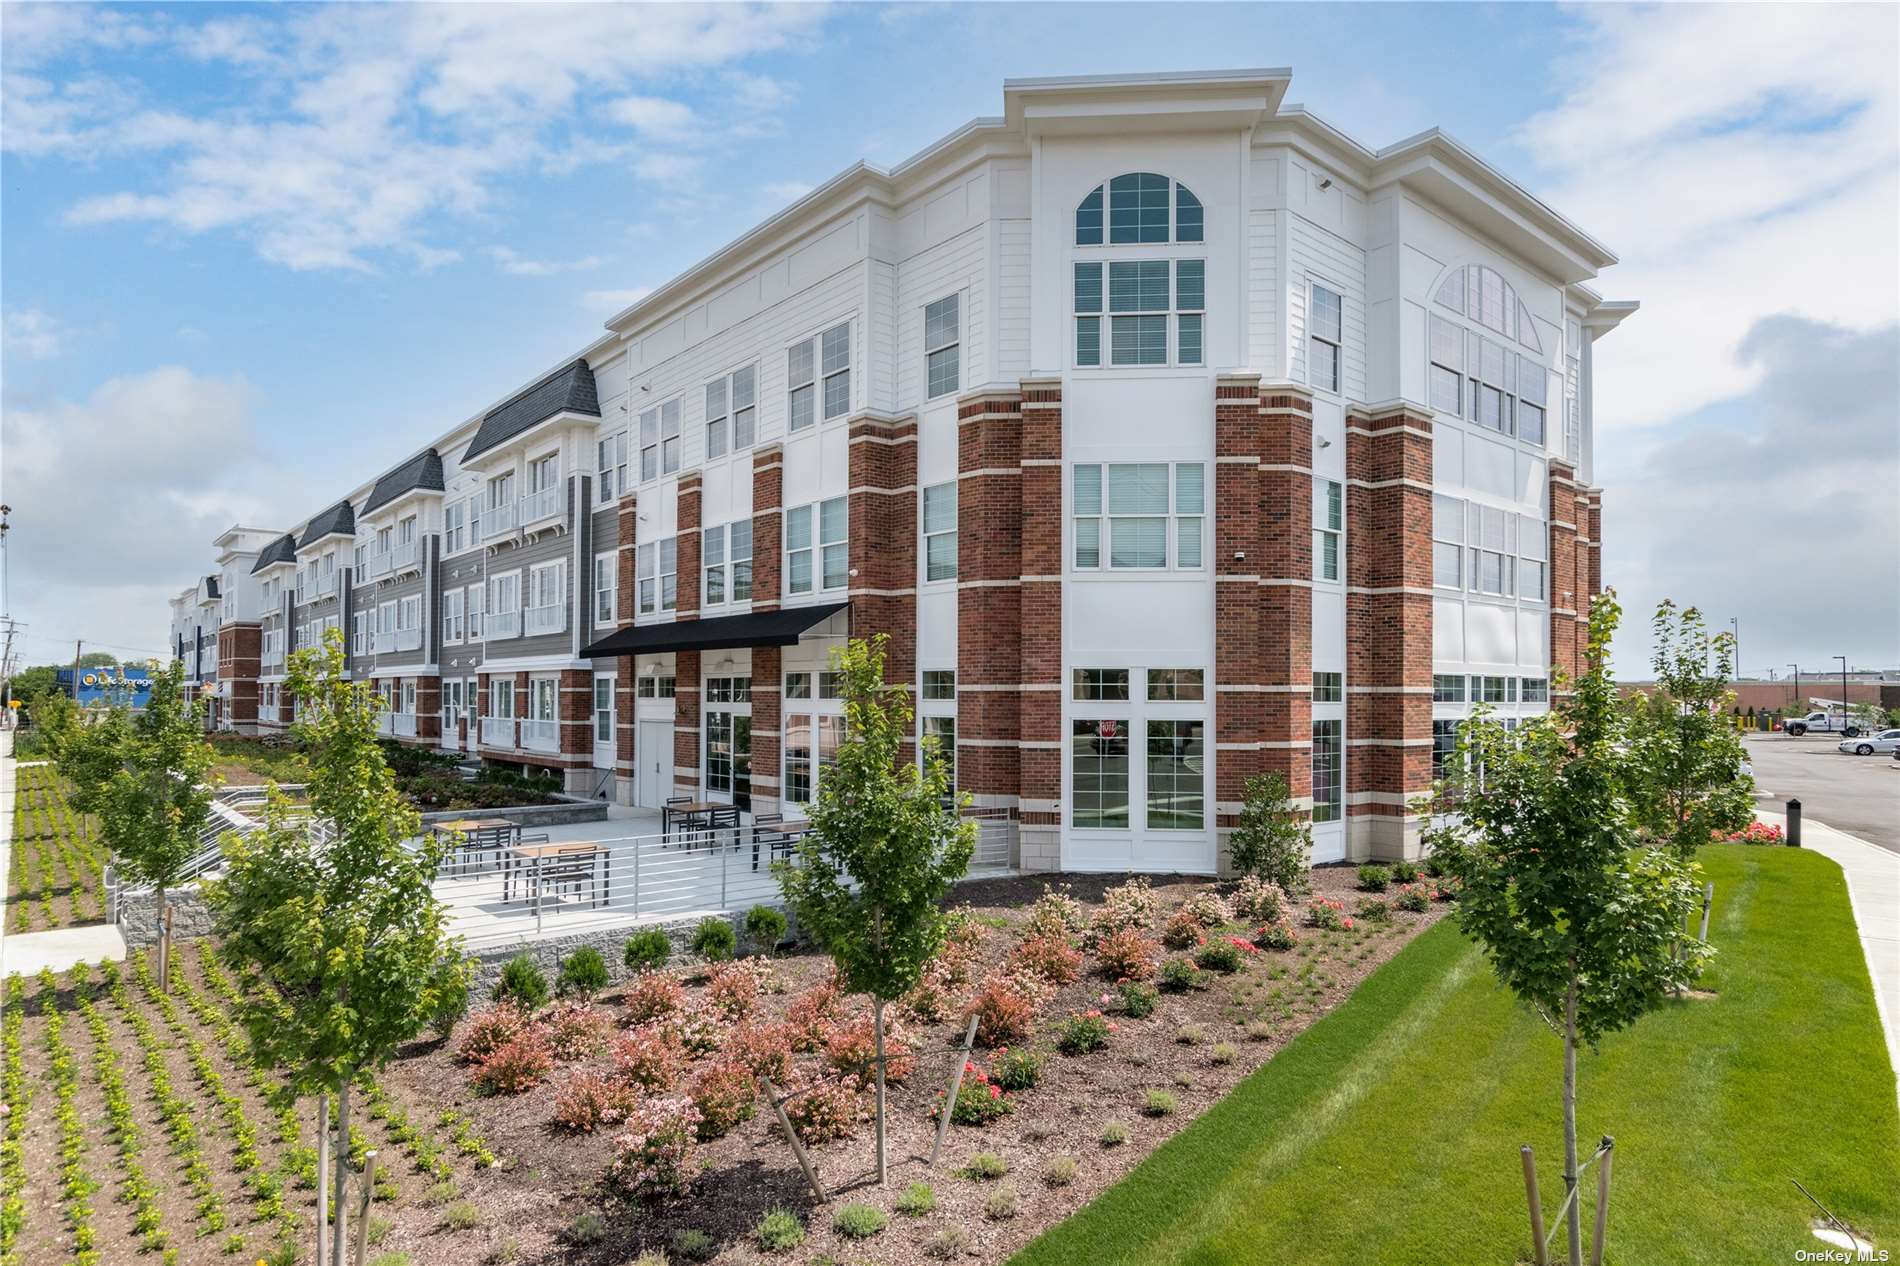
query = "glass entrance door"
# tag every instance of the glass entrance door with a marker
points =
(729, 757)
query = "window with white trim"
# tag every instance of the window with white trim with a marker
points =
(606, 588)
(1448, 688)
(359, 635)
(1493, 536)
(1324, 322)
(1138, 204)
(504, 604)
(1536, 690)
(610, 480)
(1152, 514)
(1327, 770)
(1145, 299)
(818, 377)
(409, 613)
(452, 622)
(1448, 542)
(547, 598)
(657, 570)
(454, 529)
(726, 558)
(501, 698)
(501, 496)
(942, 347)
(660, 440)
(1329, 687)
(1533, 551)
(1329, 522)
(603, 709)
(940, 531)
(655, 686)
(473, 606)
(816, 555)
(1177, 685)
(1476, 377)
(1444, 744)
(940, 685)
(732, 412)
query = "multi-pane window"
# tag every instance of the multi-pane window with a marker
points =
(1533, 550)
(454, 531)
(547, 598)
(603, 709)
(611, 481)
(816, 556)
(1099, 774)
(1536, 690)
(818, 377)
(1448, 688)
(452, 621)
(501, 698)
(1446, 368)
(1177, 763)
(1138, 206)
(1176, 685)
(1493, 689)
(1327, 771)
(797, 685)
(940, 532)
(1328, 687)
(1329, 520)
(726, 552)
(729, 690)
(940, 685)
(657, 571)
(409, 612)
(359, 636)
(1448, 542)
(942, 347)
(1153, 511)
(1092, 684)
(944, 730)
(732, 412)
(1493, 536)
(473, 605)
(655, 686)
(504, 605)
(606, 588)
(1141, 303)
(1479, 378)
(1444, 744)
(1324, 323)
(660, 440)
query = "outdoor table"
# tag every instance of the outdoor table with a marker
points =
(537, 857)
(689, 810)
(479, 834)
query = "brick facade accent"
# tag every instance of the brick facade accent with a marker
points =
(767, 683)
(240, 651)
(687, 561)
(429, 710)
(626, 722)
(1569, 591)
(1388, 627)
(768, 509)
(1039, 621)
(989, 599)
(686, 690)
(882, 544)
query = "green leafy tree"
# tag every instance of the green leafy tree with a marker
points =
(1685, 775)
(154, 808)
(98, 659)
(89, 747)
(1273, 839)
(334, 915)
(1578, 919)
(868, 881)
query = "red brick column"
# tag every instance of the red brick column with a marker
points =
(1285, 571)
(1388, 628)
(521, 707)
(1569, 594)
(429, 710)
(882, 518)
(768, 508)
(1590, 538)
(688, 522)
(768, 681)
(686, 723)
(1238, 504)
(989, 601)
(240, 651)
(574, 705)
(626, 729)
(1039, 710)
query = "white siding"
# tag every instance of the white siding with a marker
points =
(1316, 255)
(1263, 298)
(954, 267)
(1012, 314)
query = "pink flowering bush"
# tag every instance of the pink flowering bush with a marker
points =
(826, 1109)
(652, 1156)
(812, 1013)
(519, 1066)
(1327, 914)
(1279, 935)
(1127, 954)
(1206, 909)
(1048, 956)
(1005, 1010)
(764, 1050)
(1447, 888)
(1132, 906)
(576, 1029)
(1260, 900)
(736, 987)
(490, 1029)
(1056, 913)
(851, 1047)
(979, 1100)
(650, 1058)
(587, 1101)
(652, 996)
(724, 1094)
(701, 1028)
(1183, 931)
(1753, 833)
(1412, 898)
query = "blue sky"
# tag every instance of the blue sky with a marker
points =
(269, 249)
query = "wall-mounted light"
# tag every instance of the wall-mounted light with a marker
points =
(1320, 441)
(1326, 182)
(1240, 555)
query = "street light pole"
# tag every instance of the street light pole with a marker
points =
(1735, 623)
(1843, 660)
(1797, 685)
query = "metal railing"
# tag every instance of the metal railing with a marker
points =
(549, 619)
(541, 736)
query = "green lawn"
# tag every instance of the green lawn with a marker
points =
(1389, 1131)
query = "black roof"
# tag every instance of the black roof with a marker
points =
(211, 587)
(719, 633)
(339, 518)
(569, 389)
(424, 471)
(281, 550)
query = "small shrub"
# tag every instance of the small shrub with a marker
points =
(1050, 957)
(490, 1029)
(1219, 954)
(700, 1028)
(765, 927)
(1259, 900)
(979, 1100)
(1207, 909)
(519, 1066)
(522, 981)
(1114, 1134)
(714, 940)
(734, 988)
(1060, 1171)
(583, 974)
(461, 1216)
(1223, 1053)
(725, 1095)
(916, 1200)
(1082, 1032)
(947, 1244)
(1374, 910)
(828, 1110)
(1056, 913)
(851, 1050)
(1374, 878)
(1276, 936)
(764, 1050)
(1404, 872)
(779, 1231)
(1273, 838)
(652, 1257)
(1017, 1067)
(693, 1245)
(1191, 1034)
(586, 1229)
(451, 1006)
(652, 1156)
(1001, 1206)
(649, 1058)
(1004, 1011)
(1183, 931)
(588, 1101)
(1159, 1103)
(1127, 954)
(440, 1193)
(811, 1015)
(1136, 999)
(1259, 1031)
(378, 1230)
(1327, 915)
(859, 1221)
(1130, 907)
(1178, 975)
(576, 1029)
(653, 995)
(506, 1253)
(986, 1167)
(647, 950)
(1413, 899)
(395, 1257)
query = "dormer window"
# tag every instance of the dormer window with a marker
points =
(1138, 208)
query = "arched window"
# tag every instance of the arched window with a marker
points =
(1141, 207)
(1479, 378)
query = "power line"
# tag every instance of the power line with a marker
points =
(95, 643)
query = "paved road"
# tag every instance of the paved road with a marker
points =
(1856, 794)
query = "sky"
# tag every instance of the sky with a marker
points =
(251, 255)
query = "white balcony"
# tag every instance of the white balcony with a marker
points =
(375, 565)
(501, 624)
(541, 736)
(383, 643)
(545, 504)
(498, 731)
(408, 639)
(402, 724)
(548, 619)
(403, 556)
(498, 521)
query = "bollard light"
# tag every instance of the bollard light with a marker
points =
(1794, 824)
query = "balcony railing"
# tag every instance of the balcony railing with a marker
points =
(403, 555)
(408, 639)
(500, 624)
(541, 736)
(544, 504)
(498, 731)
(498, 521)
(375, 565)
(403, 724)
(383, 643)
(548, 619)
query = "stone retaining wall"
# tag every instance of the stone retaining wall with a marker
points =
(611, 942)
(137, 913)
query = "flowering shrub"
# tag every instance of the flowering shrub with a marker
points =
(1323, 912)
(1049, 956)
(576, 1029)
(764, 1050)
(1056, 913)
(587, 1101)
(1131, 906)
(1222, 954)
(651, 996)
(811, 1013)
(1374, 910)
(1276, 936)
(650, 1058)
(735, 987)
(1183, 931)
(851, 1047)
(1004, 1010)
(827, 1110)
(724, 1094)
(521, 1065)
(962, 946)
(1178, 975)
(1127, 954)
(934, 997)
(701, 1029)
(1082, 1032)
(1206, 909)
(490, 1029)
(979, 1100)
(1412, 898)
(1136, 999)
(1260, 900)
(1017, 1067)
(1753, 833)
(651, 1156)
(1448, 888)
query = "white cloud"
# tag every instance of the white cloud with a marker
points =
(31, 333)
(515, 264)
(656, 117)
(608, 302)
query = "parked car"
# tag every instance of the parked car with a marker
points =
(1823, 723)
(1868, 744)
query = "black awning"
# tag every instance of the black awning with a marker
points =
(721, 633)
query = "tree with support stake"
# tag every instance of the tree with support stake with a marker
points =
(1578, 918)
(335, 916)
(883, 849)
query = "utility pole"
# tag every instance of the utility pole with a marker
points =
(1797, 685)
(75, 672)
(1735, 623)
(1843, 660)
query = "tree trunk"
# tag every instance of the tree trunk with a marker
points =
(340, 1202)
(323, 1175)
(877, 1025)
(164, 945)
(1574, 1222)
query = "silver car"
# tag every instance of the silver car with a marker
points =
(1868, 744)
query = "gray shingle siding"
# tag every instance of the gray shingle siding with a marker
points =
(569, 389)
(423, 471)
(339, 519)
(281, 550)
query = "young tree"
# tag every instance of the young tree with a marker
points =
(88, 744)
(883, 851)
(154, 807)
(1273, 839)
(1685, 775)
(1577, 918)
(335, 913)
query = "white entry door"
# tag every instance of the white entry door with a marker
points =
(653, 753)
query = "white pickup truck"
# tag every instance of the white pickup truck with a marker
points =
(1822, 723)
